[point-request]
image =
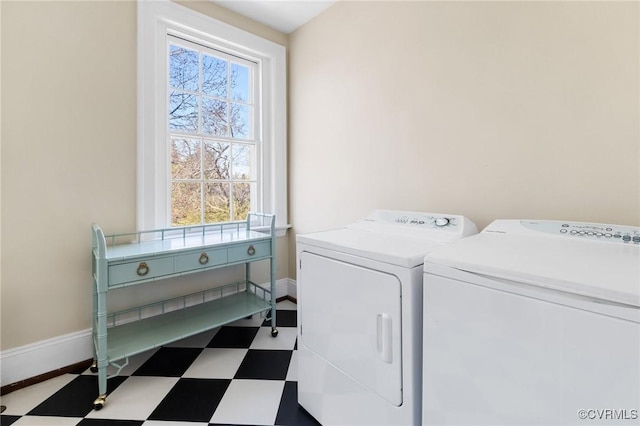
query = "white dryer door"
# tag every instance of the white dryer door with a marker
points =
(351, 317)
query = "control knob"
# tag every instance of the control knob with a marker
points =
(442, 221)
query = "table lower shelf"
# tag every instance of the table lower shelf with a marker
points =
(130, 339)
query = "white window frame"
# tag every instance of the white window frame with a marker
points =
(157, 18)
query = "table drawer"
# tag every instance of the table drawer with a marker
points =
(200, 259)
(249, 251)
(140, 270)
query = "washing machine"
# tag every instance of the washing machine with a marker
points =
(533, 323)
(359, 292)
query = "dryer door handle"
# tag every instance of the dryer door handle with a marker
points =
(385, 337)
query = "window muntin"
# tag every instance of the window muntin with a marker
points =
(212, 120)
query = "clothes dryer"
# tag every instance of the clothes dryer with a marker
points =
(360, 316)
(533, 323)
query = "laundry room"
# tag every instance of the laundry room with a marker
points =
(464, 111)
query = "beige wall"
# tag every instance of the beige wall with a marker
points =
(69, 155)
(488, 109)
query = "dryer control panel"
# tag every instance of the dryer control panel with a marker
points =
(439, 221)
(414, 219)
(590, 231)
(416, 224)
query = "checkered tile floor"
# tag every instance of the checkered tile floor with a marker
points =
(235, 375)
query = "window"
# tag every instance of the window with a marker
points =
(212, 134)
(212, 120)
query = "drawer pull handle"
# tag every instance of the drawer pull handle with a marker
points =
(204, 259)
(143, 269)
(251, 250)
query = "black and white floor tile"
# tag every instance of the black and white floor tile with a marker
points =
(234, 375)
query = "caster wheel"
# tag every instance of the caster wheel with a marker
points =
(99, 402)
(93, 369)
(274, 332)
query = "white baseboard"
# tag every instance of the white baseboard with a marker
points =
(282, 287)
(292, 288)
(45, 356)
(31, 360)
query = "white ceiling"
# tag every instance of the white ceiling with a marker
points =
(283, 15)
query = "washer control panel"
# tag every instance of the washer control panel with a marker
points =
(590, 231)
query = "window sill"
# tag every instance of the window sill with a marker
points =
(281, 230)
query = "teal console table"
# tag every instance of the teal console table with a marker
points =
(124, 260)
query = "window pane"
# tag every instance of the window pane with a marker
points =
(183, 68)
(185, 203)
(183, 112)
(216, 202)
(243, 164)
(214, 76)
(240, 87)
(185, 159)
(241, 200)
(214, 117)
(216, 160)
(240, 121)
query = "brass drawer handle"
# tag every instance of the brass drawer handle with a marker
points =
(143, 269)
(251, 250)
(204, 259)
